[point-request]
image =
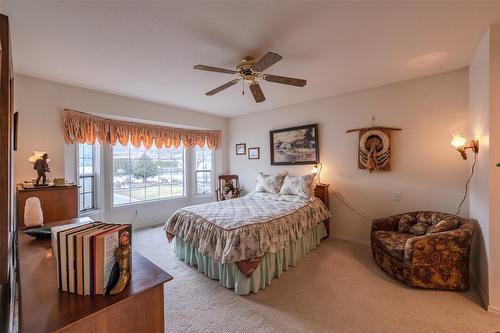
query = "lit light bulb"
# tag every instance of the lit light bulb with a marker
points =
(314, 169)
(458, 141)
(36, 155)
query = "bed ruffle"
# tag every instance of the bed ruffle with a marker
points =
(248, 241)
(271, 265)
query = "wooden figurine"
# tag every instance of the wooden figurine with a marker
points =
(41, 166)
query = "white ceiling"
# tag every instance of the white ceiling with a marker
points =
(146, 50)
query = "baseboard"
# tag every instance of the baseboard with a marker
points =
(354, 240)
(494, 309)
(481, 293)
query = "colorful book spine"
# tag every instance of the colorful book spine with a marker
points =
(84, 255)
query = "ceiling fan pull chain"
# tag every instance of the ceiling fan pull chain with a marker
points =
(242, 87)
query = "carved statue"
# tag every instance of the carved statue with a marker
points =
(41, 166)
(123, 256)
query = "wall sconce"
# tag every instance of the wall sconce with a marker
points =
(317, 170)
(460, 143)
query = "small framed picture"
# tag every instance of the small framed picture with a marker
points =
(241, 149)
(254, 153)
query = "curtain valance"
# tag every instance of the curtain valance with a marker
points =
(85, 128)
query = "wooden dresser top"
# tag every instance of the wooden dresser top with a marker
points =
(43, 308)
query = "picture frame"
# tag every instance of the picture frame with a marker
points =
(241, 149)
(254, 153)
(297, 145)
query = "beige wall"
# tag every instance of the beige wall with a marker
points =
(485, 192)
(426, 170)
(479, 128)
(494, 181)
(40, 103)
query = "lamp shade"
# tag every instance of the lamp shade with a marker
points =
(36, 155)
(458, 141)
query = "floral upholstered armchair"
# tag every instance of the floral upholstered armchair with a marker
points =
(424, 249)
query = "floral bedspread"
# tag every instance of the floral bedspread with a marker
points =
(245, 228)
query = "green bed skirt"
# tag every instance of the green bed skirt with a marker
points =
(271, 265)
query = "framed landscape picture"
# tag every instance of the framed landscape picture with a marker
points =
(241, 149)
(254, 153)
(295, 145)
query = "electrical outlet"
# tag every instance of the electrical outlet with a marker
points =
(397, 196)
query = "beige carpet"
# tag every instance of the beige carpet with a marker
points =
(336, 288)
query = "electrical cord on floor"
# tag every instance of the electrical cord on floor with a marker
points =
(350, 207)
(467, 185)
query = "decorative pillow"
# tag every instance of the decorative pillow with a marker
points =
(406, 222)
(431, 217)
(446, 224)
(418, 229)
(299, 185)
(268, 183)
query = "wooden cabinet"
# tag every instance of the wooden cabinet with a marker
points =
(43, 308)
(322, 191)
(58, 202)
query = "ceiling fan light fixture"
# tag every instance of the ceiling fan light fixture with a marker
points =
(249, 70)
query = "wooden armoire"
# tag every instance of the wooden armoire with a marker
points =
(7, 225)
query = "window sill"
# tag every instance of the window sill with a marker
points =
(149, 202)
(91, 212)
(204, 195)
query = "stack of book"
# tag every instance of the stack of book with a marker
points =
(85, 255)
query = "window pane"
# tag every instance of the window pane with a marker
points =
(165, 191)
(121, 197)
(203, 168)
(137, 194)
(149, 174)
(87, 151)
(203, 182)
(86, 171)
(88, 204)
(88, 184)
(177, 190)
(152, 193)
(121, 164)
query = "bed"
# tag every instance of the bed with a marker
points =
(246, 242)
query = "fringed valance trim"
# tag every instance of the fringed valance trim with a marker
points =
(85, 128)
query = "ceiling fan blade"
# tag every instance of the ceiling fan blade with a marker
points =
(266, 61)
(257, 92)
(224, 86)
(214, 69)
(285, 80)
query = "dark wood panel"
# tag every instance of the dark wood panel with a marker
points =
(321, 192)
(43, 308)
(6, 189)
(58, 203)
(142, 313)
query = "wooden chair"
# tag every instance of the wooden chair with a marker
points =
(229, 187)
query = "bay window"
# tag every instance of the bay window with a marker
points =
(141, 175)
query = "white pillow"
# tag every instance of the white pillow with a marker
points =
(268, 183)
(302, 186)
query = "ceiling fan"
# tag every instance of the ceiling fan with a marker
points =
(250, 71)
